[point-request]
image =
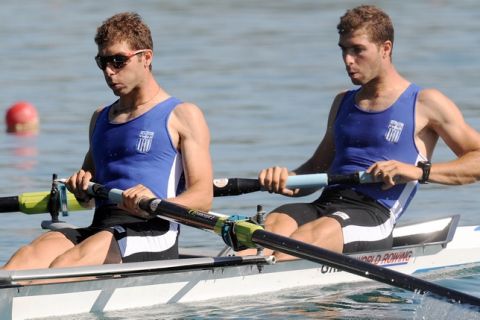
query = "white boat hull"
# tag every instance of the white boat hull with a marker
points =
(198, 279)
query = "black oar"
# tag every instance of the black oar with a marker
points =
(236, 186)
(248, 234)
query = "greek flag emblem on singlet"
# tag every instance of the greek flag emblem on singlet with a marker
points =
(144, 142)
(394, 131)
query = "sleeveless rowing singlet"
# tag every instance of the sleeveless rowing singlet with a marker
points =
(138, 151)
(363, 138)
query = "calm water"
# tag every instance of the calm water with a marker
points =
(264, 72)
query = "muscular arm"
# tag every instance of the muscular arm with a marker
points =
(190, 133)
(442, 117)
(437, 117)
(78, 182)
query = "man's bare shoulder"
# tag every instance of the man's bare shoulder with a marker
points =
(188, 117)
(187, 109)
(431, 95)
(437, 107)
(187, 113)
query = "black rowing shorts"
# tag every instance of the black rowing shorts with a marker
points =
(366, 224)
(155, 239)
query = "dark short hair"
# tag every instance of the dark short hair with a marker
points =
(376, 22)
(126, 26)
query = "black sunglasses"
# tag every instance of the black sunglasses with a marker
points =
(117, 61)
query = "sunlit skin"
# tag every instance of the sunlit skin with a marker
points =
(128, 81)
(363, 58)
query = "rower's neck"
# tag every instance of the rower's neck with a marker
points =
(379, 94)
(136, 103)
(128, 108)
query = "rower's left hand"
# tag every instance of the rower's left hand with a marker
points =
(132, 198)
(393, 172)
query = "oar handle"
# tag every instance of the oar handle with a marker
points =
(236, 186)
(100, 191)
(320, 180)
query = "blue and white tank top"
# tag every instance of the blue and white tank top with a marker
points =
(138, 151)
(363, 138)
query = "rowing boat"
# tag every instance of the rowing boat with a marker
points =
(197, 276)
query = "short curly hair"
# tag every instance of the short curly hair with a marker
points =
(126, 26)
(376, 22)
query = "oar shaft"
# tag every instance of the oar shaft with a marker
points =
(180, 214)
(194, 218)
(9, 204)
(352, 265)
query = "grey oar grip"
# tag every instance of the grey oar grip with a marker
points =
(97, 190)
(316, 180)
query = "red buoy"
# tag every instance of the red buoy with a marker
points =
(22, 117)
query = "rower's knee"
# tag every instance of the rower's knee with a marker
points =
(324, 232)
(61, 261)
(280, 223)
(21, 259)
(98, 249)
(40, 252)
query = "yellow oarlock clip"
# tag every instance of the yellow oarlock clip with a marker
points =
(37, 202)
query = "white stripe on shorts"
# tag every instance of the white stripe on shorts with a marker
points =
(137, 244)
(353, 233)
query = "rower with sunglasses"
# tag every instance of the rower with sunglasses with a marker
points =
(147, 143)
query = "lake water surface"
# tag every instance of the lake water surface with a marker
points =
(264, 73)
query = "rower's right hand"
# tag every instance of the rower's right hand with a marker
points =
(78, 185)
(132, 198)
(274, 179)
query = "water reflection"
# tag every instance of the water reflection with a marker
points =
(24, 151)
(19, 160)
